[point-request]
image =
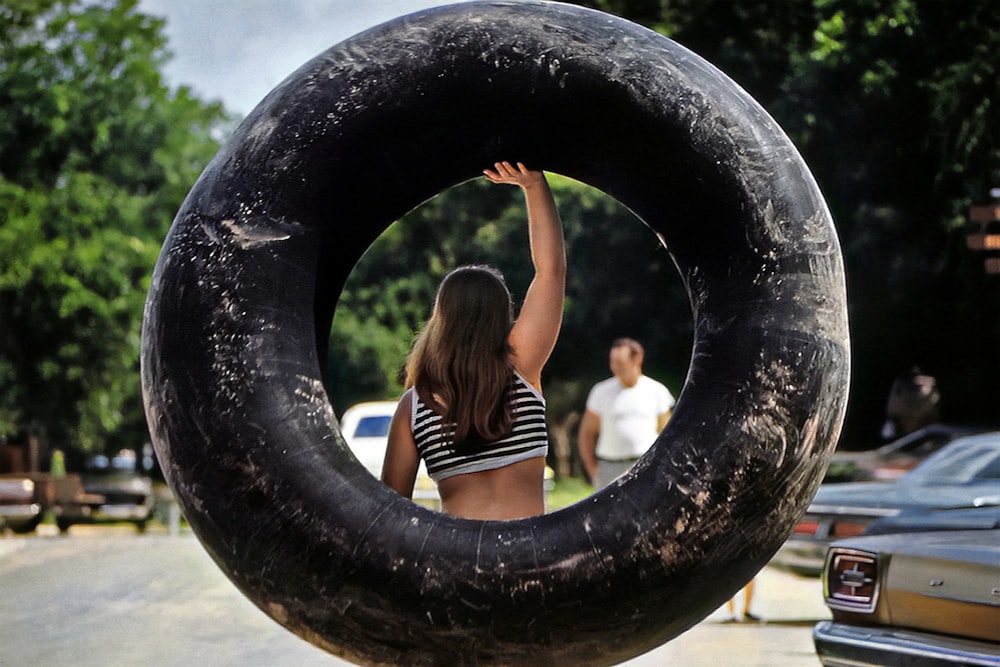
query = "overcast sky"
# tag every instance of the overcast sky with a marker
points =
(236, 51)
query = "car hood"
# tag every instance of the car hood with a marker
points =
(16, 490)
(975, 546)
(962, 518)
(878, 495)
(117, 483)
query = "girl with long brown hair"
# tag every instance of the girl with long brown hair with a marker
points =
(473, 408)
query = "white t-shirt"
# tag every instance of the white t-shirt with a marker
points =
(628, 415)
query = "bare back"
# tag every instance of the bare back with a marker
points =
(511, 492)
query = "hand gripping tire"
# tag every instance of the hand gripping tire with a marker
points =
(246, 283)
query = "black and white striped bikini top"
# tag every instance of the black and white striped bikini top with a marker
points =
(528, 437)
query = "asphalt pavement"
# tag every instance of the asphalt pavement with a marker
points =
(106, 596)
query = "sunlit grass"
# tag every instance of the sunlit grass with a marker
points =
(567, 491)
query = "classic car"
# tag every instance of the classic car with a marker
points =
(912, 599)
(109, 490)
(892, 460)
(964, 473)
(19, 507)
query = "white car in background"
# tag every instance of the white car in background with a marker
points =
(366, 428)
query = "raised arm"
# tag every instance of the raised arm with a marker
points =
(537, 327)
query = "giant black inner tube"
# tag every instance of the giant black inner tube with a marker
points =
(245, 287)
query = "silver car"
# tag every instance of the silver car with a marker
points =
(965, 473)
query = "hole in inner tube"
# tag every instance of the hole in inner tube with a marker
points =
(621, 282)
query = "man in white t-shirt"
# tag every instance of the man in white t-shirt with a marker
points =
(624, 415)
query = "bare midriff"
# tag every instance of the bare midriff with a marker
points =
(510, 492)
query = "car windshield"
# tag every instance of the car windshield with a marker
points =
(373, 427)
(966, 460)
(123, 461)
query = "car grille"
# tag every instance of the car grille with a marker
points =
(850, 580)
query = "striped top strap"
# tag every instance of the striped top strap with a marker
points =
(527, 439)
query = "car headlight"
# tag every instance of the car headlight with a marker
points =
(850, 580)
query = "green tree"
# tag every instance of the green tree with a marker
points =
(389, 293)
(621, 282)
(893, 103)
(96, 154)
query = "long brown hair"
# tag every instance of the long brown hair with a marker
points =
(460, 362)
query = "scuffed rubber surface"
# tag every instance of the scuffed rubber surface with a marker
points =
(249, 274)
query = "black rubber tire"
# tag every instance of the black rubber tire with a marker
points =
(245, 286)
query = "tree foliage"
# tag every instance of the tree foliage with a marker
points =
(894, 105)
(621, 282)
(96, 154)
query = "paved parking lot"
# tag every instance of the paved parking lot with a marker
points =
(107, 597)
